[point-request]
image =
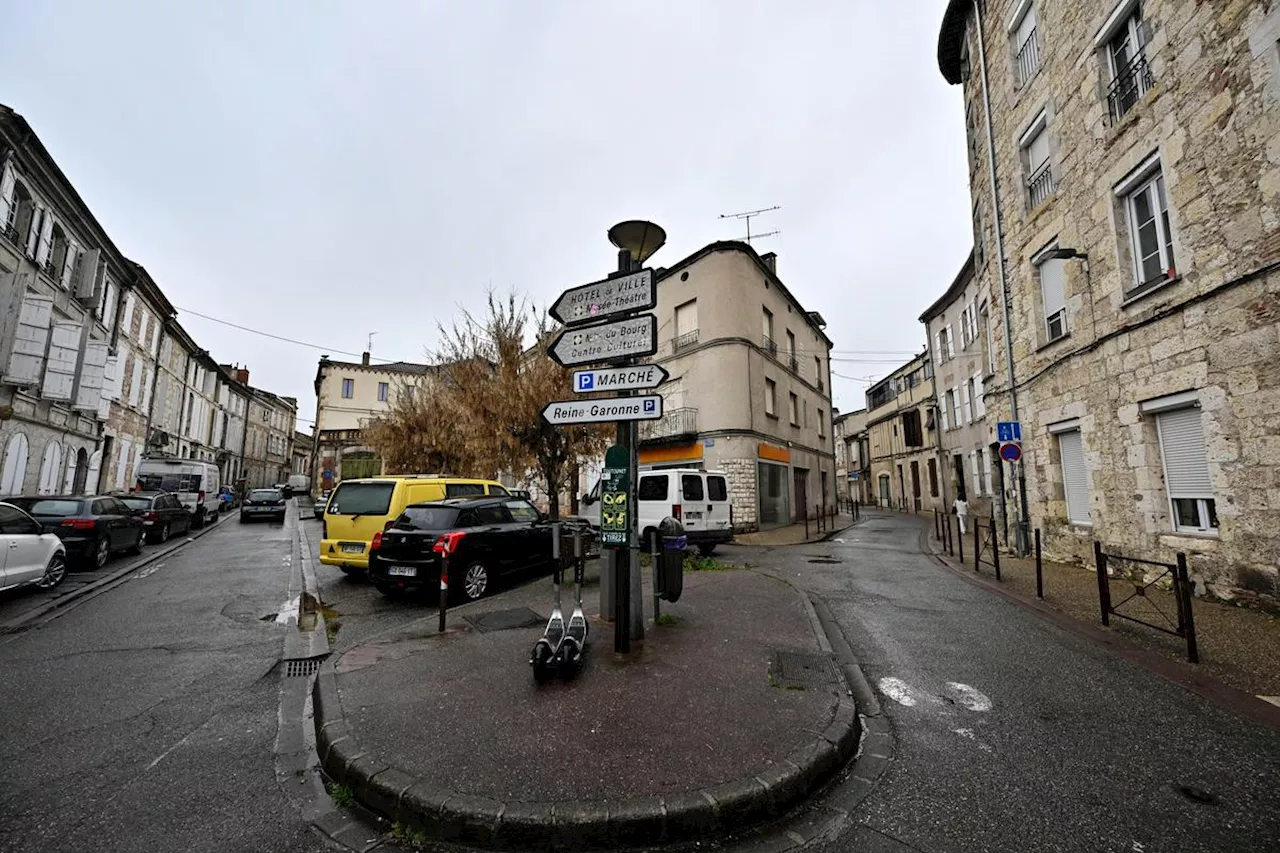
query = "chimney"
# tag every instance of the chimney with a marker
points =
(364, 359)
(242, 375)
(771, 261)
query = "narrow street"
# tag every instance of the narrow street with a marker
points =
(145, 718)
(1013, 735)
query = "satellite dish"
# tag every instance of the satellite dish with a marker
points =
(638, 237)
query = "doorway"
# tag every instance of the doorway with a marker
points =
(800, 477)
(915, 485)
(886, 498)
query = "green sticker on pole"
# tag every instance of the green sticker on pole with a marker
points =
(615, 505)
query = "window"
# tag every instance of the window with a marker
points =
(968, 325)
(1053, 295)
(953, 400)
(822, 430)
(817, 372)
(945, 344)
(933, 477)
(1075, 477)
(990, 338)
(770, 398)
(1126, 57)
(686, 325)
(492, 515)
(691, 487)
(794, 409)
(769, 343)
(1035, 147)
(966, 403)
(522, 511)
(791, 351)
(348, 389)
(979, 239)
(717, 489)
(1147, 212)
(1026, 50)
(652, 488)
(912, 434)
(1186, 471)
(979, 405)
(384, 392)
(957, 462)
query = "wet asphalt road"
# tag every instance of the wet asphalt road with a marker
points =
(1013, 735)
(145, 718)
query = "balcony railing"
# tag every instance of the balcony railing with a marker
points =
(1130, 84)
(1040, 186)
(684, 341)
(770, 345)
(793, 363)
(675, 422)
(1028, 59)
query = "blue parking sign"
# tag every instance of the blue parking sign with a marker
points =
(586, 380)
(1009, 430)
(650, 405)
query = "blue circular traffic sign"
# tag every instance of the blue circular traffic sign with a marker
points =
(1011, 451)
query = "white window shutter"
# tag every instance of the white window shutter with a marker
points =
(979, 405)
(986, 472)
(92, 376)
(86, 284)
(1075, 479)
(146, 390)
(15, 465)
(951, 343)
(135, 382)
(46, 238)
(977, 477)
(1053, 286)
(126, 319)
(137, 464)
(95, 470)
(26, 361)
(8, 180)
(123, 450)
(33, 232)
(69, 264)
(942, 410)
(1186, 464)
(964, 402)
(937, 347)
(60, 369)
(69, 475)
(50, 469)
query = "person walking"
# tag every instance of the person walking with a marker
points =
(962, 515)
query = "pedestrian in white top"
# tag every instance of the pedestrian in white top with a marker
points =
(962, 515)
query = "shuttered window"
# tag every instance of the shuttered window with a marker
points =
(60, 369)
(1075, 479)
(1186, 470)
(26, 362)
(92, 376)
(979, 405)
(14, 477)
(1053, 291)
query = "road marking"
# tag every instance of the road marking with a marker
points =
(288, 614)
(1274, 700)
(897, 690)
(149, 571)
(969, 697)
(968, 733)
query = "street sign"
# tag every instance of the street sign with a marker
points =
(639, 377)
(1011, 451)
(645, 408)
(615, 515)
(1009, 431)
(606, 341)
(621, 294)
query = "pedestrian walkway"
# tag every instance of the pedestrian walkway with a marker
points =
(796, 534)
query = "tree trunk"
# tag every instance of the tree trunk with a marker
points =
(553, 504)
(574, 478)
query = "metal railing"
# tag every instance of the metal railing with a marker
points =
(1130, 84)
(675, 422)
(684, 341)
(1146, 575)
(1040, 185)
(770, 345)
(1028, 59)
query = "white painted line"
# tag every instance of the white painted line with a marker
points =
(288, 614)
(897, 690)
(148, 571)
(968, 697)
(1274, 700)
(968, 733)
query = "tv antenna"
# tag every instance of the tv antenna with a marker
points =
(747, 215)
(369, 345)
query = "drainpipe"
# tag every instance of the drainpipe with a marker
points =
(1004, 291)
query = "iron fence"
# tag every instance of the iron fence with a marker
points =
(1130, 84)
(1182, 625)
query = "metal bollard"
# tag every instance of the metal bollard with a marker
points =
(960, 542)
(937, 526)
(654, 545)
(1039, 570)
(444, 587)
(995, 547)
(1104, 588)
(977, 547)
(1183, 589)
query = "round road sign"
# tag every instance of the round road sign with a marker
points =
(1011, 451)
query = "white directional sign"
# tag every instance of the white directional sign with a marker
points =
(636, 378)
(646, 408)
(606, 341)
(596, 301)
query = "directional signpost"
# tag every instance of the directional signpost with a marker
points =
(640, 377)
(624, 294)
(606, 341)
(565, 412)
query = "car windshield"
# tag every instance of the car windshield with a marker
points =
(265, 495)
(48, 506)
(362, 499)
(427, 518)
(137, 503)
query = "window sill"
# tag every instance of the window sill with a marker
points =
(771, 415)
(1149, 289)
(1059, 339)
(1194, 534)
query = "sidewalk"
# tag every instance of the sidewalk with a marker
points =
(1239, 646)
(729, 716)
(794, 534)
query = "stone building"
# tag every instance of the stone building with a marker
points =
(853, 463)
(169, 401)
(230, 414)
(1136, 231)
(959, 335)
(749, 389)
(268, 454)
(902, 438)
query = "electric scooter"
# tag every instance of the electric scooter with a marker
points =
(544, 658)
(569, 655)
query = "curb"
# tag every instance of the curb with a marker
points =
(20, 623)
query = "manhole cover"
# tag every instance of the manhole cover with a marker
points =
(301, 668)
(826, 561)
(797, 670)
(504, 620)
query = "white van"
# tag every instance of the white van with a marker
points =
(698, 499)
(194, 483)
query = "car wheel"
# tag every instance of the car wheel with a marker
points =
(54, 573)
(353, 572)
(475, 582)
(101, 552)
(197, 519)
(243, 520)
(136, 548)
(707, 550)
(164, 533)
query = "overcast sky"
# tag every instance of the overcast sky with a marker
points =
(321, 170)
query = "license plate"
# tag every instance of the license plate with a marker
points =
(402, 571)
(693, 515)
(352, 548)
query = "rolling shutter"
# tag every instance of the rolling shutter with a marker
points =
(60, 370)
(1186, 465)
(26, 362)
(1075, 479)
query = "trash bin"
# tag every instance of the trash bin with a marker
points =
(670, 575)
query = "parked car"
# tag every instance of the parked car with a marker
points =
(162, 514)
(266, 504)
(487, 538)
(697, 499)
(195, 483)
(228, 498)
(92, 528)
(360, 508)
(33, 555)
(321, 503)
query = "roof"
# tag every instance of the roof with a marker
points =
(951, 39)
(151, 290)
(408, 368)
(841, 418)
(813, 317)
(958, 285)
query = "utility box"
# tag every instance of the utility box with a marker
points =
(670, 574)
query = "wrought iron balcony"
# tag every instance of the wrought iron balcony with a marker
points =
(674, 423)
(770, 345)
(684, 341)
(1041, 186)
(1028, 59)
(1130, 84)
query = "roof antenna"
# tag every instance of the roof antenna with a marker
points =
(369, 346)
(747, 215)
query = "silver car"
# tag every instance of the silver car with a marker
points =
(321, 503)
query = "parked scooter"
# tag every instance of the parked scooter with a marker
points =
(559, 651)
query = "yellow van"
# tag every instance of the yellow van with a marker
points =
(358, 509)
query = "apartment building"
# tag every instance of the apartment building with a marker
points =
(60, 276)
(959, 334)
(230, 416)
(749, 392)
(303, 450)
(268, 453)
(348, 396)
(902, 439)
(1131, 220)
(169, 401)
(853, 461)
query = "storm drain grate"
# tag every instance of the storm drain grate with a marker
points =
(505, 620)
(796, 670)
(301, 668)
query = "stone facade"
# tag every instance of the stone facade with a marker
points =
(853, 461)
(1138, 161)
(903, 439)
